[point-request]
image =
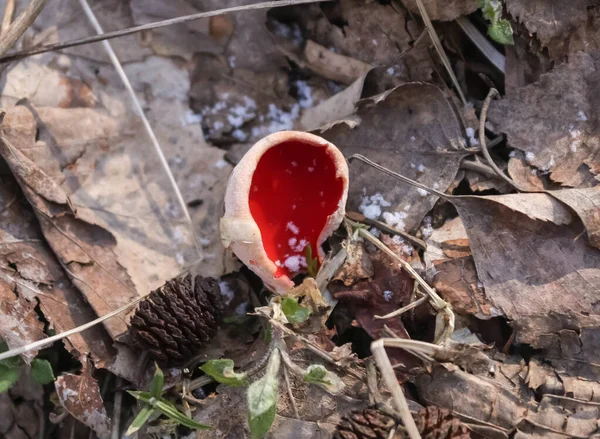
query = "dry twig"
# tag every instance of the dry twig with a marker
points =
(9, 11)
(21, 24)
(482, 118)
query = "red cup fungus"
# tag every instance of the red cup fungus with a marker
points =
(287, 192)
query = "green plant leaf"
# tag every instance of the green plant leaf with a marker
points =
(158, 382)
(169, 410)
(11, 362)
(8, 377)
(317, 374)
(41, 371)
(312, 264)
(222, 371)
(294, 312)
(262, 398)
(142, 396)
(501, 32)
(491, 9)
(140, 420)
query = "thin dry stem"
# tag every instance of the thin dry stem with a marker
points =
(149, 26)
(445, 318)
(440, 50)
(9, 11)
(117, 406)
(404, 308)
(389, 377)
(288, 386)
(139, 110)
(482, 118)
(20, 25)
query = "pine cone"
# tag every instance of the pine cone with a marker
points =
(432, 422)
(178, 319)
(438, 423)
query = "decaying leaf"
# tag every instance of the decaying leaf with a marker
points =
(412, 129)
(30, 274)
(358, 265)
(80, 396)
(332, 65)
(530, 267)
(551, 22)
(451, 271)
(444, 10)
(564, 142)
(183, 40)
(586, 203)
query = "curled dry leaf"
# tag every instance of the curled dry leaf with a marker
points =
(564, 142)
(80, 396)
(412, 121)
(332, 65)
(358, 265)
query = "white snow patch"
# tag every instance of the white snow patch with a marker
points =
(292, 228)
(581, 116)
(371, 205)
(472, 139)
(422, 192)
(221, 164)
(529, 156)
(192, 118)
(231, 61)
(413, 138)
(398, 240)
(239, 135)
(294, 263)
(226, 291)
(304, 94)
(387, 295)
(513, 153)
(297, 246)
(426, 230)
(218, 125)
(395, 219)
(421, 168)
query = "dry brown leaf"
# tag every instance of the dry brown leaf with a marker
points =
(358, 265)
(524, 175)
(564, 141)
(527, 266)
(66, 21)
(182, 40)
(332, 65)
(452, 273)
(552, 22)
(586, 203)
(415, 132)
(444, 10)
(30, 269)
(80, 396)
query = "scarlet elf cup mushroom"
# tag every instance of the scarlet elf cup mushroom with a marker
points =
(287, 192)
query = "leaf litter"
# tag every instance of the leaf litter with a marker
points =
(528, 260)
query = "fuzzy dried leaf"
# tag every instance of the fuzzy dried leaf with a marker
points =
(564, 141)
(80, 396)
(413, 120)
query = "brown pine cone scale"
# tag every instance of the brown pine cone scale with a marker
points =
(432, 422)
(178, 319)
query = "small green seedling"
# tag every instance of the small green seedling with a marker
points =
(156, 404)
(10, 370)
(500, 29)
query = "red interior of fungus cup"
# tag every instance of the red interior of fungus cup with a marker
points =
(294, 191)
